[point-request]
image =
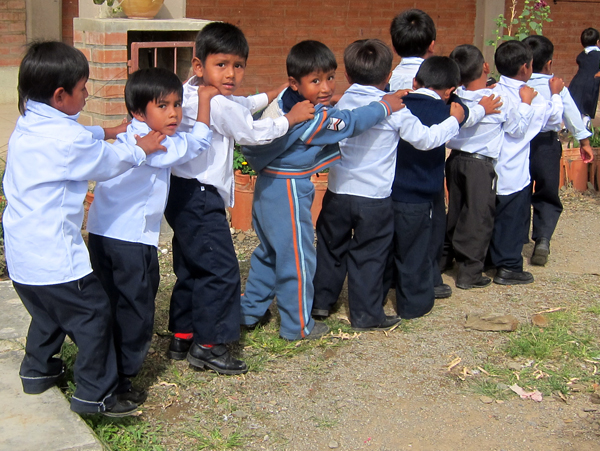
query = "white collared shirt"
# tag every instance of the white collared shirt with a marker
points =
(404, 73)
(50, 159)
(368, 160)
(512, 167)
(571, 114)
(130, 207)
(591, 48)
(231, 122)
(486, 137)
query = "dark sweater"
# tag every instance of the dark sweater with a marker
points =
(584, 88)
(420, 174)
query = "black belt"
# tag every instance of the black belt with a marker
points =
(550, 134)
(472, 155)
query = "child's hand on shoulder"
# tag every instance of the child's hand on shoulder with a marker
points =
(527, 94)
(457, 110)
(394, 100)
(491, 104)
(112, 132)
(302, 111)
(273, 93)
(151, 142)
(556, 85)
(207, 92)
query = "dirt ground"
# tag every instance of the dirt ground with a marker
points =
(394, 391)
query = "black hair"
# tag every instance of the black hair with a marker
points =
(542, 49)
(368, 62)
(438, 72)
(470, 62)
(590, 36)
(510, 57)
(150, 85)
(47, 66)
(221, 37)
(412, 32)
(309, 56)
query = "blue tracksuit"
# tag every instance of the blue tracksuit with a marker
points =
(284, 263)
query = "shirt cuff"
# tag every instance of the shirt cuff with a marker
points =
(139, 156)
(201, 130)
(261, 101)
(282, 124)
(582, 135)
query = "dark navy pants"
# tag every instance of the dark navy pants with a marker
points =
(130, 276)
(206, 296)
(81, 310)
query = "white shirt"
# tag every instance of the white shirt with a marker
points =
(591, 48)
(404, 73)
(231, 122)
(130, 207)
(512, 167)
(368, 162)
(571, 114)
(486, 137)
(50, 159)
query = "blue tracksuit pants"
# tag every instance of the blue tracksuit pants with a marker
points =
(284, 263)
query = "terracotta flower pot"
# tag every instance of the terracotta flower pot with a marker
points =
(320, 182)
(141, 9)
(573, 170)
(241, 213)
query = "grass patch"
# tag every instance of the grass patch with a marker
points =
(127, 434)
(215, 440)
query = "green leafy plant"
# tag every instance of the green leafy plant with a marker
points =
(240, 163)
(520, 25)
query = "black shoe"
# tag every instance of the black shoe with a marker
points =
(121, 409)
(263, 321)
(319, 314)
(507, 277)
(541, 252)
(133, 395)
(319, 330)
(388, 322)
(178, 348)
(216, 358)
(442, 291)
(480, 283)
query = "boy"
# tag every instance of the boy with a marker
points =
(514, 61)
(124, 219)
(418, 179)
(356, 225)
(283, 265)
(546, 151)
(205, 304)
(50, 160)
(585, 85)
(470, 174)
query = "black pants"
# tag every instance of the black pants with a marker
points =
(130, 276)
(81, 310)
(544, 166)
(471, 211)
(510, 226)
(354, 235)
(206, 296)
(438, 235)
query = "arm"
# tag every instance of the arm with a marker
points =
(254, 103)
(518, 117)
(556, 109)
(181, 147)
(572, 117)
(420, 136)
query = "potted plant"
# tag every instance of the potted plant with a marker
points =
(572, 168)
(244, 180)
(134, 9)
(320, 180)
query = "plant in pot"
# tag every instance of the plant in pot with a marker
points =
(244, 179)
(134, 9)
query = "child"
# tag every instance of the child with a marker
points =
(205, 304)
(356, 225)
(514, 61)
(124, 219)
(418, 179)
(470, 174)
(50, 159)
(546, 151)
(585, 85)
(283, 265)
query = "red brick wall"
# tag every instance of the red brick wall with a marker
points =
(12, 31)
(70, 9)
(272, 27)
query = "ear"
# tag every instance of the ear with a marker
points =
(139, 116)
(58, 98)
(431, 48)
(486, 69)
(348, 79)
(416, 84)
(548, 67)
(389, 76)
(448, 92)
(197, 67)
(293, 83)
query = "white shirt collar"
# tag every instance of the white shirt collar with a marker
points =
(428, 92)
(591, 48)
(510, 82)
(46, 110)
(472, 95)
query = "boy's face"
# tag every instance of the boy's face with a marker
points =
(318, 86)
(224, 71)
(163, 115)
(73, 103)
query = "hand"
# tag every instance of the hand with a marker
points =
(207, 92)
(587, 154)
(491, 104)
(457, 110)
(273, 93)
(527, 94)
(302, 111)
(597, 75)
(151, 142)
(395, 100)
(112, 132)
(556, 85)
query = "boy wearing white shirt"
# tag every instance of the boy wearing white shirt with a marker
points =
(124, 219)
(356, 225)
(205, 304)
(514, 61)
(470, 175)
(50, 160)
(546, 151)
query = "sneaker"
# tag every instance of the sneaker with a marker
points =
(178, 348)
(263, 321)
(442, 291)
(541, 252)
(483, 282)
(507, 277)
(217, 358)
(134, 395)
(387, 323)
(319, 330)
(121, 409)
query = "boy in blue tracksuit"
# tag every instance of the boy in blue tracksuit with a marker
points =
(284, 263)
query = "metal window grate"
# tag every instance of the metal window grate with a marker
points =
(152, 57)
